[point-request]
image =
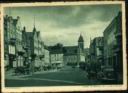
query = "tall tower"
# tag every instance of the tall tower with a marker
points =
(81, 57)
(81, 43)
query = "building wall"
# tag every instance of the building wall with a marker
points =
(12, 40)
(8, 34)
(70, 55)
(109, 42)
(86, 54)
(19, 44)
(46, 57)
(113, 47)
(70, 59)
(81, 56)
(35, 49)
(56, 58)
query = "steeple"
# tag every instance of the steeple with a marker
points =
(34, 29)
(81, 38)
(81, 42)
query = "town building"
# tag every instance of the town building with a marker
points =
(46, 62)
(9, 41)
(99, 50)
(81, 55)
(35, 49)
(87, 55)
(19, 45)
(70, 55)
(56, 55)
(74, 55)
(113, 47)
(87, 59)
(13, 52)
(96, 53)
(26, 46)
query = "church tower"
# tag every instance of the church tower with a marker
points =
(81, 57)
(81, 43)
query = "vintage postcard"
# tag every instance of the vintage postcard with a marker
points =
(63, 46)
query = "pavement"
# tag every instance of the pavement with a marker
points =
(62, 77)
(11, 75)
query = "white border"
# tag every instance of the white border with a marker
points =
(67, 88)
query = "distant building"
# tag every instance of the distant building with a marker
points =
(96, 53)
(87, 55)
(96, 49)
(26, 46)
(70, 55)
(81, 56)
(56, 55)
(99, 50)
(46, 63)
(35, 49)
(113, 47)
(74, 55)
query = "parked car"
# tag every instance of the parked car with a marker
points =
(91, 75)
(21, 70)
(108, 75)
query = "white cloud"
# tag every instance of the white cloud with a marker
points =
(69, 36)
(66, 27)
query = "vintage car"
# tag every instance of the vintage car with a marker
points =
(108, 75)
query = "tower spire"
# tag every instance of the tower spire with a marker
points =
(80, 38)
(34, 24)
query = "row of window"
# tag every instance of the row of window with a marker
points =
(56, 57)
(70, 58)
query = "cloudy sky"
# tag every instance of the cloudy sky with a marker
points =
(64, 24)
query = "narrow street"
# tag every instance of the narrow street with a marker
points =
(65, 76)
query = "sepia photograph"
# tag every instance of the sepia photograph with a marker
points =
(76, 46)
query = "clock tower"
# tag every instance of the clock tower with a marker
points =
(81, 57)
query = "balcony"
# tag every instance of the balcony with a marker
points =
(12, 41)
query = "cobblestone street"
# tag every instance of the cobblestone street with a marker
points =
(64, 76)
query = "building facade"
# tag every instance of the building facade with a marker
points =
(13, 52)
(46, 64)
(81, 54)
(9, 41)
(96, 53)
(74, 55)
(87, 55)
(19, 44)
(56, 55)
(34, 49)
(70, 55)
(113, 47)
